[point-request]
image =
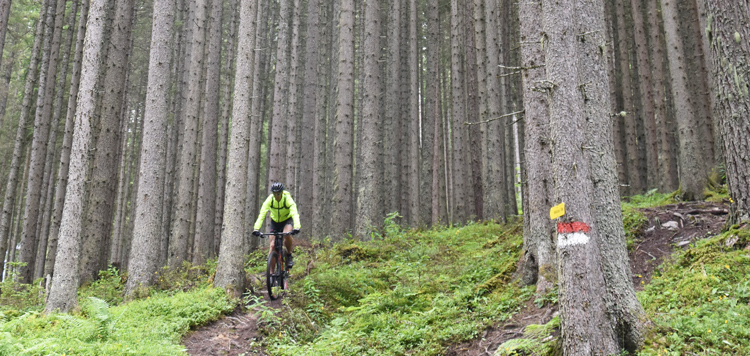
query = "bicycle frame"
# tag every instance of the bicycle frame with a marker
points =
(277, 272)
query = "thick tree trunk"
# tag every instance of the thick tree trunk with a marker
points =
(391, 137)
(473, 152)
(342, 182)
(311, 88)
(668, 177)
(730, 55)
(44, 238)
(229, 272)
(206, 206)
(20, 141)
(539, 260)
(43, 116)
(495, 194)
(67, 142)
(63, 291)
(292, 117)
(184, 214)
(147, 220)
(279, 133)
(647, 97)
(461, 176)
(226, 94)
(432, 118)
(692, 172)
(369, 197)
(97, 230)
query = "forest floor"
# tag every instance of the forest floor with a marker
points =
(669, 227)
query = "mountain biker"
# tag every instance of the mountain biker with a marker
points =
(283, 213)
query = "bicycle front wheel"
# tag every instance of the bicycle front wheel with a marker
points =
(274, 276)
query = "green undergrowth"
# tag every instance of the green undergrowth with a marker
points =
(151, 326)
(401, 293)
(700, 301)
(536, 340)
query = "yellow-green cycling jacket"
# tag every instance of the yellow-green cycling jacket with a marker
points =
(280, 210)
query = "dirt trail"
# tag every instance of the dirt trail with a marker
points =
(669, 227)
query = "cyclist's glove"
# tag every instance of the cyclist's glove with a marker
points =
(256, 232)
(295, 231)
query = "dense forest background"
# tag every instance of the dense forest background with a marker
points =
(142, 133)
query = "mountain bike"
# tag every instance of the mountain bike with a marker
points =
(277, 273)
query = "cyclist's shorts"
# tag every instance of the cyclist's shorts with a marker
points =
(279, 226)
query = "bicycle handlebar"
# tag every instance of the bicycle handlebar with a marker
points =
(264, 234)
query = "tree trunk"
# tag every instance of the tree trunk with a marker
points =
(226, 94)
(20, 141)
(206, 206)
(62, 295)
(278, 164)
(180, 237)
(309, 111)
(67, 142)
(342, 183)
(647, 97)
(692, 172)
(97, 230)
(540, 258)
(45, 96)
(473, 152)
(461, 176)
(668, 177)
(229, 272)
(413, 122)
(48, 184)
(730, 53)
(495, 197)
(391, 137)
(4, 15)
(292, 117)
(579, 119)
(432, 117)
(147, 219)
(369, 198)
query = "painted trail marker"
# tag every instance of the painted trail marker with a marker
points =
(557, 211)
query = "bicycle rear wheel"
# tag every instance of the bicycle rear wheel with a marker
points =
(274, 276)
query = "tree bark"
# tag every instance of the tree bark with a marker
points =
(459, 172)
(539, 259)
(4, 15)
(692, 172)
(668, 177)
(414, 132)
(206, 206)
(147, 219)
(473, 152)
(391, 138)
(67, 142)
(495, 197)
(369, 198)
(43, 116)
(309, 112)
(62, 295)
(342, 182)
(184, 214)
(229, 272)
(730, 70)
(20, 141)
(292, 116)
(97, 230)
(278, 164)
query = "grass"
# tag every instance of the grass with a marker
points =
(151, 326)
(402, 293)
(699, 301)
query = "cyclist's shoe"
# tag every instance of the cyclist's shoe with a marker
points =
(289, 261)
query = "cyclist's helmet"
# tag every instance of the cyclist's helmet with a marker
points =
(277, 187)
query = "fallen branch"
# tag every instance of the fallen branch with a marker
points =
(494, 118)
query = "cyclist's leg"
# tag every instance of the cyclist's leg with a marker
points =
(288, 243)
